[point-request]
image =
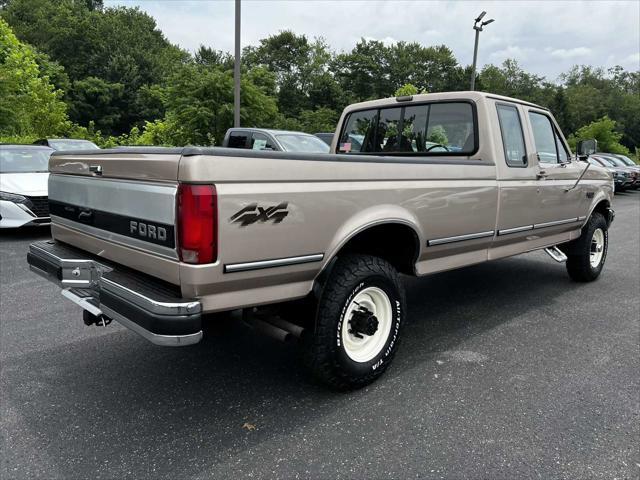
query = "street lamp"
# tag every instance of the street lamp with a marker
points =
(478, 26)
(236, 70)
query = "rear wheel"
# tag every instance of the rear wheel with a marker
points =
(358, 321)
(588, 254)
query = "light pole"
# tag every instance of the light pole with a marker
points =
(236, 71)
(477, 26)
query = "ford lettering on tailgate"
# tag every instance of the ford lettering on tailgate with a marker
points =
(153, 232)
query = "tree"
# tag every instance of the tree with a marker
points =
(593, 93)
(29, 103)
(428, 68)
(199, 107)
(301, 70)
(320, 120)
(213, 58)
(95, 100)
(511, 80)
(363, 72)
(604, 131)
(118, 45)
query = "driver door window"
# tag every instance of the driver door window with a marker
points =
(544, 137)
(563, 153)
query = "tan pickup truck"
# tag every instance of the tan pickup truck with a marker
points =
(311, 246)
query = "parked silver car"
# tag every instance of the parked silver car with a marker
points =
(24, 173)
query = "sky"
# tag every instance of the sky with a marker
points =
(545, 37)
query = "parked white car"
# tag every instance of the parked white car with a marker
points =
(24, 175)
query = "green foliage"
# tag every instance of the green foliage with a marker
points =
(604, 131)
(119, 46)
(299, 66)
(121, 82)
(438, 135)
(511, 80)
(94, 99)
(199, 106)
(320, 120)
(586, 95)
(406, 90)
(361, 72)
(29, 103)
(288, 123)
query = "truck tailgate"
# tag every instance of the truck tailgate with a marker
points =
(120, 205)
(154, 164)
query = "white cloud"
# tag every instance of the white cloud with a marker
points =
(386, 40)
(633, 59)
(570, 52)
(511, 51)
(544, 37)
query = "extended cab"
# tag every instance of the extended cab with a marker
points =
(311, 245)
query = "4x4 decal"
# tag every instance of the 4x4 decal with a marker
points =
(254, 213)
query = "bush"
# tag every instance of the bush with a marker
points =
(604, 131)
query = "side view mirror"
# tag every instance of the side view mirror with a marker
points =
(586, 148)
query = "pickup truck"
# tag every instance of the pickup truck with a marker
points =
(275, 140)
(310, 247)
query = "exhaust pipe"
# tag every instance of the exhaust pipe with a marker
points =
(273, 326)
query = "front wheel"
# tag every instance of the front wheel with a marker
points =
(358, 320)
(587, 257)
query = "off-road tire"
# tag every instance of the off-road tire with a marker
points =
(579, 265)
(325, 354)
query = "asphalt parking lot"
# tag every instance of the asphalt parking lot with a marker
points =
(507, 370)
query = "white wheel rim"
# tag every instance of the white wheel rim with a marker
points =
(597, 248)
(368, 347)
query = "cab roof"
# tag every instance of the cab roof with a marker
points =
(425, 97)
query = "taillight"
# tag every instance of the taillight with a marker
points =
(197, 223)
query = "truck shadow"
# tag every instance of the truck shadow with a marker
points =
(118, 407)
(24, 234)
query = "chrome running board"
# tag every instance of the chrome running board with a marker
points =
(557, 254)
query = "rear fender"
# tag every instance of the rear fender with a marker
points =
(370, 217)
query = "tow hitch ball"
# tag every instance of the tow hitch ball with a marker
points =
(98, 320)
(363, 322)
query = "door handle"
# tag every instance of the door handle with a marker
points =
(542, 174)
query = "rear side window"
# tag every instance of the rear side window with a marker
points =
(450, 128)
(444, 128)
(238, 140)
(358, 127)
(512, 136)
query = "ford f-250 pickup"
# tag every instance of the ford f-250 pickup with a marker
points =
(311, 245)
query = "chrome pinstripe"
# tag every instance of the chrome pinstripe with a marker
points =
(507, 231)
(459, 238)
(555, 223)
(277, 262)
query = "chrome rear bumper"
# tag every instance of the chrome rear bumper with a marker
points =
(143, 304)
